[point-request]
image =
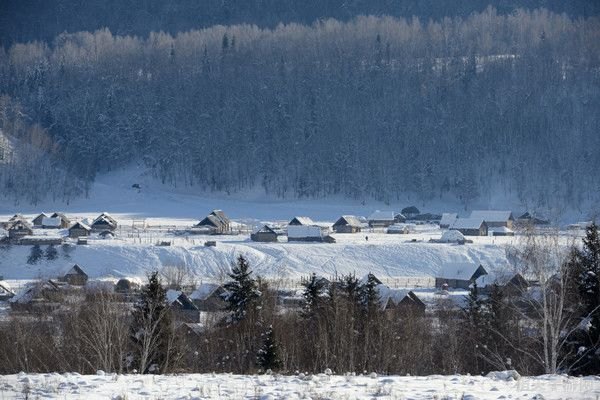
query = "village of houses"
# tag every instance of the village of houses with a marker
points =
(416, 234)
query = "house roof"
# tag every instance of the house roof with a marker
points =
(42, 215)
(178, 298)
(76, 270)
(349, 220)
(62, 216)
(382, 216)
(20, 225)
(448, 218)
(467, 223)
(105, 217)
(462, 271)
(395, 296)
(301, 221)
(221, 216)
(492, 216)
(80, 225)
(204, 291)
(266, 229)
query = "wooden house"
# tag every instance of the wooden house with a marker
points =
(182, 306)
(459, 275)
(43, 296)
(264, 234)
(52, 223)
(382, 219)
(217, 223)
(19, 229)
(65, 222)
(448, 220)
(400, 300)
(37, 221)
(301, 221)
(528, 219)
(314, 233)
(470, 226)
(79, 229)
(210, 297)
(104, 222)
(347, 224)
(494, 219)
(75, 276)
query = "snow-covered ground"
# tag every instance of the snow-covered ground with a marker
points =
(321, 386)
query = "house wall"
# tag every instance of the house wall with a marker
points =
(77, 232)
(264, 237)
(380, 223)
(346, 229)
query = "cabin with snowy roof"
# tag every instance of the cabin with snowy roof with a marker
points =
(400, 300)
(382, 219)
(19, 229)
(527, 219)
(65, 222)
(182, 307)
(470, 226)
(495, 219)
(75, 276)
(104, 222)
(52, 223)
(264, 234)
(37, 221)
(210, 297)
(347, 224)
(43, 296)
(216, 222)
(459, 275)
(79, 229)
(301, 221)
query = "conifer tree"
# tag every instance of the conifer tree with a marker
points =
(314, 289)
(51, 253)
(151, 328)
(35, 255)
(268, 354)
(243, 290)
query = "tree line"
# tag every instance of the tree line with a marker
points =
(549, 328)
(375, 107)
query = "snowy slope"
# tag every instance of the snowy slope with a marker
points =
(384, 255)
(267, 387)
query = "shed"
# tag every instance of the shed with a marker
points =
(494, 219)
(470, 226)
(182, 306)
(399, 299)
(51, 223)
(459, 275)
(79, 229)
(381, 219)
(347, 224)
(264, 234)
(448, 220)
(302, 233)
(75, 276)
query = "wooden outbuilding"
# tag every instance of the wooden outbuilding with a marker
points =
(65, 222)
(37, 221)
(470, 226)
(75, 276)
(210, 297)
(104, 222)
(494, 219)
(79, 229)
(347, 224)
(18, 229)
(459, 275)
(217, 222)
(264, 234)
(382, 219)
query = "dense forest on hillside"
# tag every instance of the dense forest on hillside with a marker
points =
(373, 107)
(29, 20)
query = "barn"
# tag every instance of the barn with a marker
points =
(347, 224)
(470, 226)
(264, 234)
(459, 275)
(381, 219)
(495, 219)
(217, 222)
(75, 276)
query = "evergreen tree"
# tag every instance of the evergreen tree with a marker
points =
(268, 354)
(476, 330)
(243, 290)
(314, 289)
(588, 282)
(150, 329)
(35, 255)
(51, 253)
(370, 294)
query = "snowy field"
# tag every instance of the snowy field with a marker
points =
(223, 386)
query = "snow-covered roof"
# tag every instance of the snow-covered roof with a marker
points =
(463, 270)
(350, 220)
(401, 227)
(382, 216)
(48, 221)
(265, 229)
(452, 236)
(448, 218)
(5, 288)
(491, 215)
(75, 270)
(467, 223)
(302, 221)
(204, 291)
(173, 295)
(80, 225)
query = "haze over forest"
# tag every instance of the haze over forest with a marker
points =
(418, 97)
